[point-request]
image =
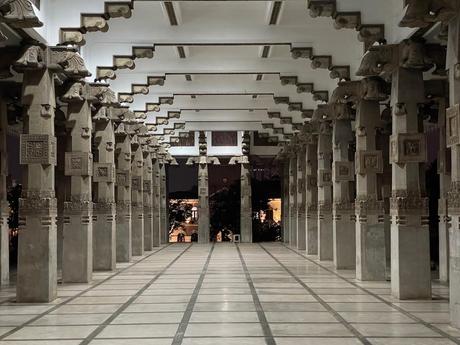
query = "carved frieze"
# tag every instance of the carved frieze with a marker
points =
(407, 202)
(343, 171)
(408, 148)
(324, 178)
(368, 205)
(78, 207)
(37, 149)
(78, 164)
(453, 126)
(369, 162)
(104, 172)
(37, 205)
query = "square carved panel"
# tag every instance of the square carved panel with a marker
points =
(453, 126)
(324, 178)
(343, 171)
(136, 184)
(369, 162)
(37, 149)
(147, 185)
(123, 178)
(103, 172)
(78, 164)
(407, 148)
(312, 182)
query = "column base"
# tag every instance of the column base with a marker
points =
(454, 271)
(344, 242)
(148, 228)
(4, 248)
(123, 231)
(301, 231)
(37, 264)
(77, 252)
(138, 231)
(246, 229)
(312, 234)
(104, 242)
(410, 261)
(370, 250)
(325, 238)
(443, 251)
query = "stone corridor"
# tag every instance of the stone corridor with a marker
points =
(227, 294)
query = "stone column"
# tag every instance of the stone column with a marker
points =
(148, 207)
(4, 229)
(325, 234)
(36, 276)
(164, 214)
(77, 252)
(203, 205)
(156, 197)
(285, 211)
(370, 230)
(410, 247)
(301, 197)
(246, 192)
(311, 158)
(444, 187)
(453, 141)
(137, 198)
(293, 199)
(246, 204)
(343, 213)
(104, 241)
(123, 190)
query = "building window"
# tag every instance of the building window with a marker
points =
(224, 138)
(188, 141)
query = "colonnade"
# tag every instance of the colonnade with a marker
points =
(368, 182)
(111, 180)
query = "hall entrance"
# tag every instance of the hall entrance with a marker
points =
(224, 201)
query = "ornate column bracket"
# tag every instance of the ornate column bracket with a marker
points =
(19, 14)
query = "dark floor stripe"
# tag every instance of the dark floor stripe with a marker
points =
(179, 336)
(269, 339)
(67, 301)
(98, 330)
(334, 313)
(401, 310)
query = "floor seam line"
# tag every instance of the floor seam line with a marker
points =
(130, 301)
(180, 333)
(54, 308)
(337, 316)
(401, 310)
(268, 335)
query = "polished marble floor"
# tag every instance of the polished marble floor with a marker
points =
(227, 294)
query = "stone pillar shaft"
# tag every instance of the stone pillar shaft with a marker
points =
(124, 215)
(453, 132)
(301, 196)
(156, 199)
(77, 259)
(343, 223)
(370, 231)
(246, 204)
(203, 205)
(164, 214)
(293, 201)
(37, 266)
(410, 246)
(285, 211)
(325, 240)
(137, 201)
(104, 242)
(148, 207)
(4, 229)
(311, 158)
